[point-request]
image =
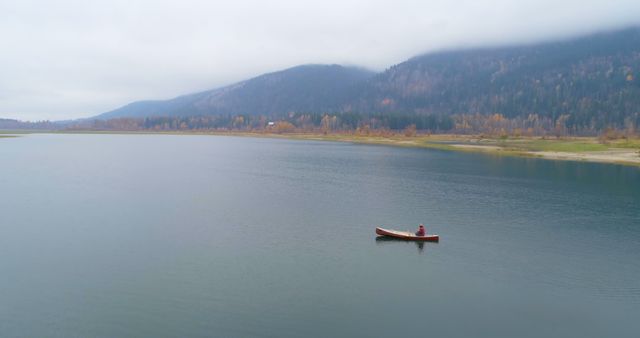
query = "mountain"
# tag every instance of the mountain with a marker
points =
(589, 82)
(306, 88)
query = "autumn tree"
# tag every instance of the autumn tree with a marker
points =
(284, 127)
(410, 130)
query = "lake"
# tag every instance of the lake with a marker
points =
(194, 236)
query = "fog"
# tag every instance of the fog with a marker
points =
(71, 59)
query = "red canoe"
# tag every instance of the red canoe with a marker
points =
(409, 236)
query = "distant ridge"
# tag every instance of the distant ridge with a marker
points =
(588, 81)
(303, 88)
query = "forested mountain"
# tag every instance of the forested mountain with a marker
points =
(592, 81)
(583, 84)
(307, 88)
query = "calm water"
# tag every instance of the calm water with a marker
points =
(188, 236)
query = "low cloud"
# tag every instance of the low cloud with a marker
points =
(71, 59)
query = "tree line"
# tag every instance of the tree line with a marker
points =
(493, 124)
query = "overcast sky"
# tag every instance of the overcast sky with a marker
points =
(76, 58)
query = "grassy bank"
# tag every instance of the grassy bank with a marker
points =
(453, 142)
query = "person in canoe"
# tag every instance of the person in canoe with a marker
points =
(421, 231)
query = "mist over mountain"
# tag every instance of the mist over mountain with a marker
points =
(590, 82)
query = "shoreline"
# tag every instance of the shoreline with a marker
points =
(566, 149)
(578, 149)
(581, 149)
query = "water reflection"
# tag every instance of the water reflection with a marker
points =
(383, 240)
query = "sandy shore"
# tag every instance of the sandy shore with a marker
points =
(629, 156)
(620, 155)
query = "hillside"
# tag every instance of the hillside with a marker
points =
(593, 81)
(306, 88)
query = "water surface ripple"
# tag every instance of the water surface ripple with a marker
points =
(194, 236)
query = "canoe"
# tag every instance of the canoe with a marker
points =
(409, 236)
